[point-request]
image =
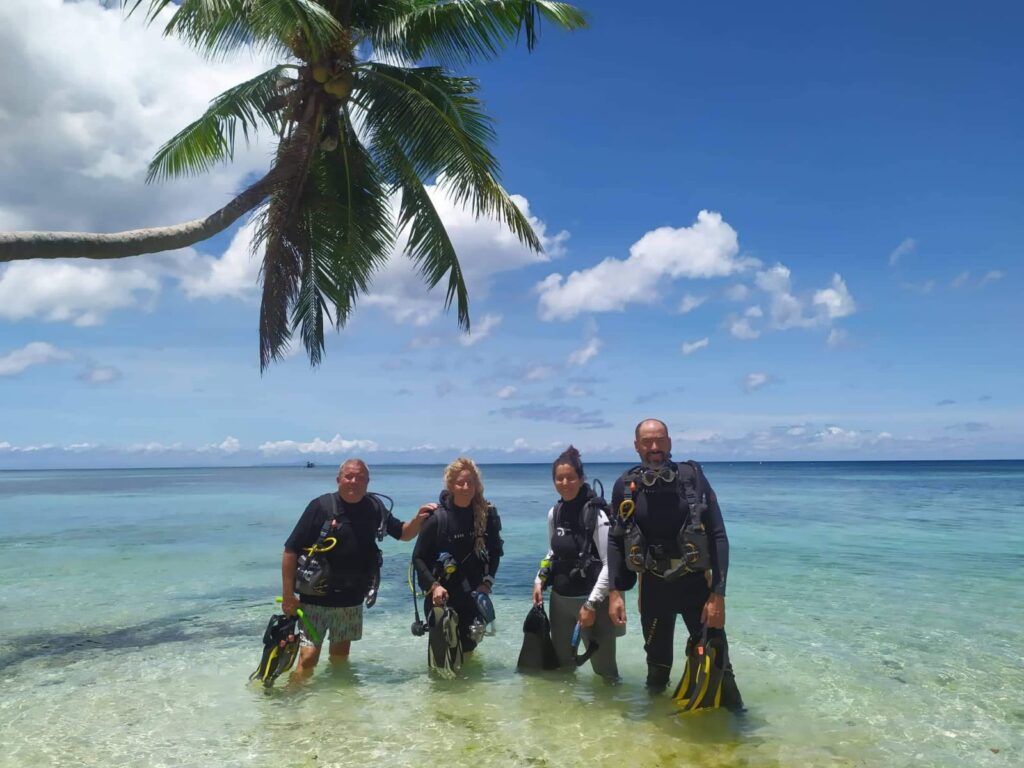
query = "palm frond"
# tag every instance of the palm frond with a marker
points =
(439, 124)
(339, 233)
(353, 197)
(303, 28)
(280, 234)
(456, 32)
(211, 138)
(428, 243)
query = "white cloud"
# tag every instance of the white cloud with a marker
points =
(101, 374)
(78, 128)
(689, 347)
(485, 248)
(507, 392)
(690, 303)
(234, 274)
(738, 292)
(960, 280)
(754, 381)
(34, 353)
(991, 277)
(520, 444)
(539, 372)
(835, 301)
(480, 330)
(336, 444)
(154, 447)
(229, 445)
(741, 328)
(905, 248)
(774, 280)
(708, 248)
(786, 310)
(836, 338)
(67, 291)
(82, 119)
(586, 353)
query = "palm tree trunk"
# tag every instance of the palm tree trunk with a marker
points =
(20, 246)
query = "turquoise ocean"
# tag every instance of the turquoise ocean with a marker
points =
(875, 614)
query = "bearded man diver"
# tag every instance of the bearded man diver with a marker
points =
(668, 533)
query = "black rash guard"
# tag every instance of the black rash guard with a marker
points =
(660, 517)
(460, 543)
(354, 558)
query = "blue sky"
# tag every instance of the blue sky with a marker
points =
(832, 194)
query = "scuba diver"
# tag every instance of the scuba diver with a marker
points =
(576, 569)
(668, 531)
(332, 560)
(456, 558)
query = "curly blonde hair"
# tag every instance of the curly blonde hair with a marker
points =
(479, 503)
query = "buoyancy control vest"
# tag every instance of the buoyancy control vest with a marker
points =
(465, 562)
(314, 574)
(688, 551)
(575, 558)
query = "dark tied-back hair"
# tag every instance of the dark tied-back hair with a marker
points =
(571, 457)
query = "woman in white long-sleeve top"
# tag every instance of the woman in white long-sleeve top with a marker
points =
(577, 572)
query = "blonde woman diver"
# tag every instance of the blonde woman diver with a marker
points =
(459, 547)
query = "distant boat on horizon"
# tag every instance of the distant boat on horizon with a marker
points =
(310, 465)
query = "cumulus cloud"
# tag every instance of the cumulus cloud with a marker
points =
(836, 300)
(787, 310)
(228, 446)
(82, 119)
(586, 353)
(706, 249)
(559, 414)
(65, 291)
(754, 381)
(690, 303)
(336, 444)
(34, 353)
(836, 338)
(689, 347)
(741, 328)
(99, 374)
(480, 331)
(234, 274)
(905, 248)
(805, 439)
(506, 393)
(485, 247)
(738, 292)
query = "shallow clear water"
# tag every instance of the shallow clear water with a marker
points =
(874, 615)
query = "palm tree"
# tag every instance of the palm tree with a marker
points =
(357, 124)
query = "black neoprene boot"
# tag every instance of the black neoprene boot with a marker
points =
(731, 699)
(657, 678)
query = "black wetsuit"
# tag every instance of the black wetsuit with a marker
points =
(457, 540)
(353, 560)
(569, 539)
(660, 513)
